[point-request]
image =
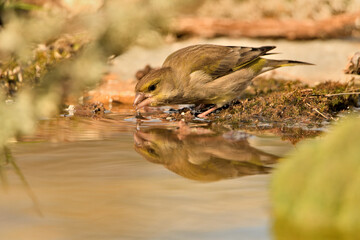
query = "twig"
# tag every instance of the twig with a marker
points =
(334, 94)
(340, 94)
(316, 110)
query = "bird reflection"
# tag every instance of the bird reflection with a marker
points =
(201, 154)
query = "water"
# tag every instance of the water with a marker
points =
(103, 179)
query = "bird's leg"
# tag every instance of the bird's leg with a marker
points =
(204, 114)
(200, 106)
(183, 130)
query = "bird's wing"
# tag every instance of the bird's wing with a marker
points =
(214, 60)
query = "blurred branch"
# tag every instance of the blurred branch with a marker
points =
(49, 55)
(337, 26)
(9, 160)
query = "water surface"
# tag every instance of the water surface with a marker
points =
(110, 179)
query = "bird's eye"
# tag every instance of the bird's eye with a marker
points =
(152, 87)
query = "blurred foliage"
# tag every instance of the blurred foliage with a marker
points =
(49, 54)
(15, 74)
(315, 192)
(16, 6)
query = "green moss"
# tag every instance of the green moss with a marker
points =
(316, 191)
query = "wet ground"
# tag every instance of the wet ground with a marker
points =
(113, 178)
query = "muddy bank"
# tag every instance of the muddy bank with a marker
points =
(285, 106)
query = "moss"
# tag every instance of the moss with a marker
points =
(284, 102)
(288, 108)
(315, 190)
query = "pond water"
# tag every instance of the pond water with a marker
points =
(115, 179)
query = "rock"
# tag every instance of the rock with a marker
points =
(353, 66)
(142, 72)
(96, 109)
(112, 89)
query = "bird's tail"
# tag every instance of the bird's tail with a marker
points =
(284, 63)
(271, 64)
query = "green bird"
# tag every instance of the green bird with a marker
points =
(205, 74)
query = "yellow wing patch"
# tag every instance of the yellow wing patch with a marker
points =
(258, 65)
(247, 63)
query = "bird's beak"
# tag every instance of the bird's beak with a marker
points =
(139, 141)
(141, 100)
(139, 97)
(142, 139)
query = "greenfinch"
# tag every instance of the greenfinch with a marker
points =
(205, 74)
(201, 155)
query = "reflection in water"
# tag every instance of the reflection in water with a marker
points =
(105, 190)
(203, 157)
(91, 184)
(7, 160)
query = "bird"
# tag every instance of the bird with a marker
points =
(202, 156)
(205, 74)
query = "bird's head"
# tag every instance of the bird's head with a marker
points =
(155, 88)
